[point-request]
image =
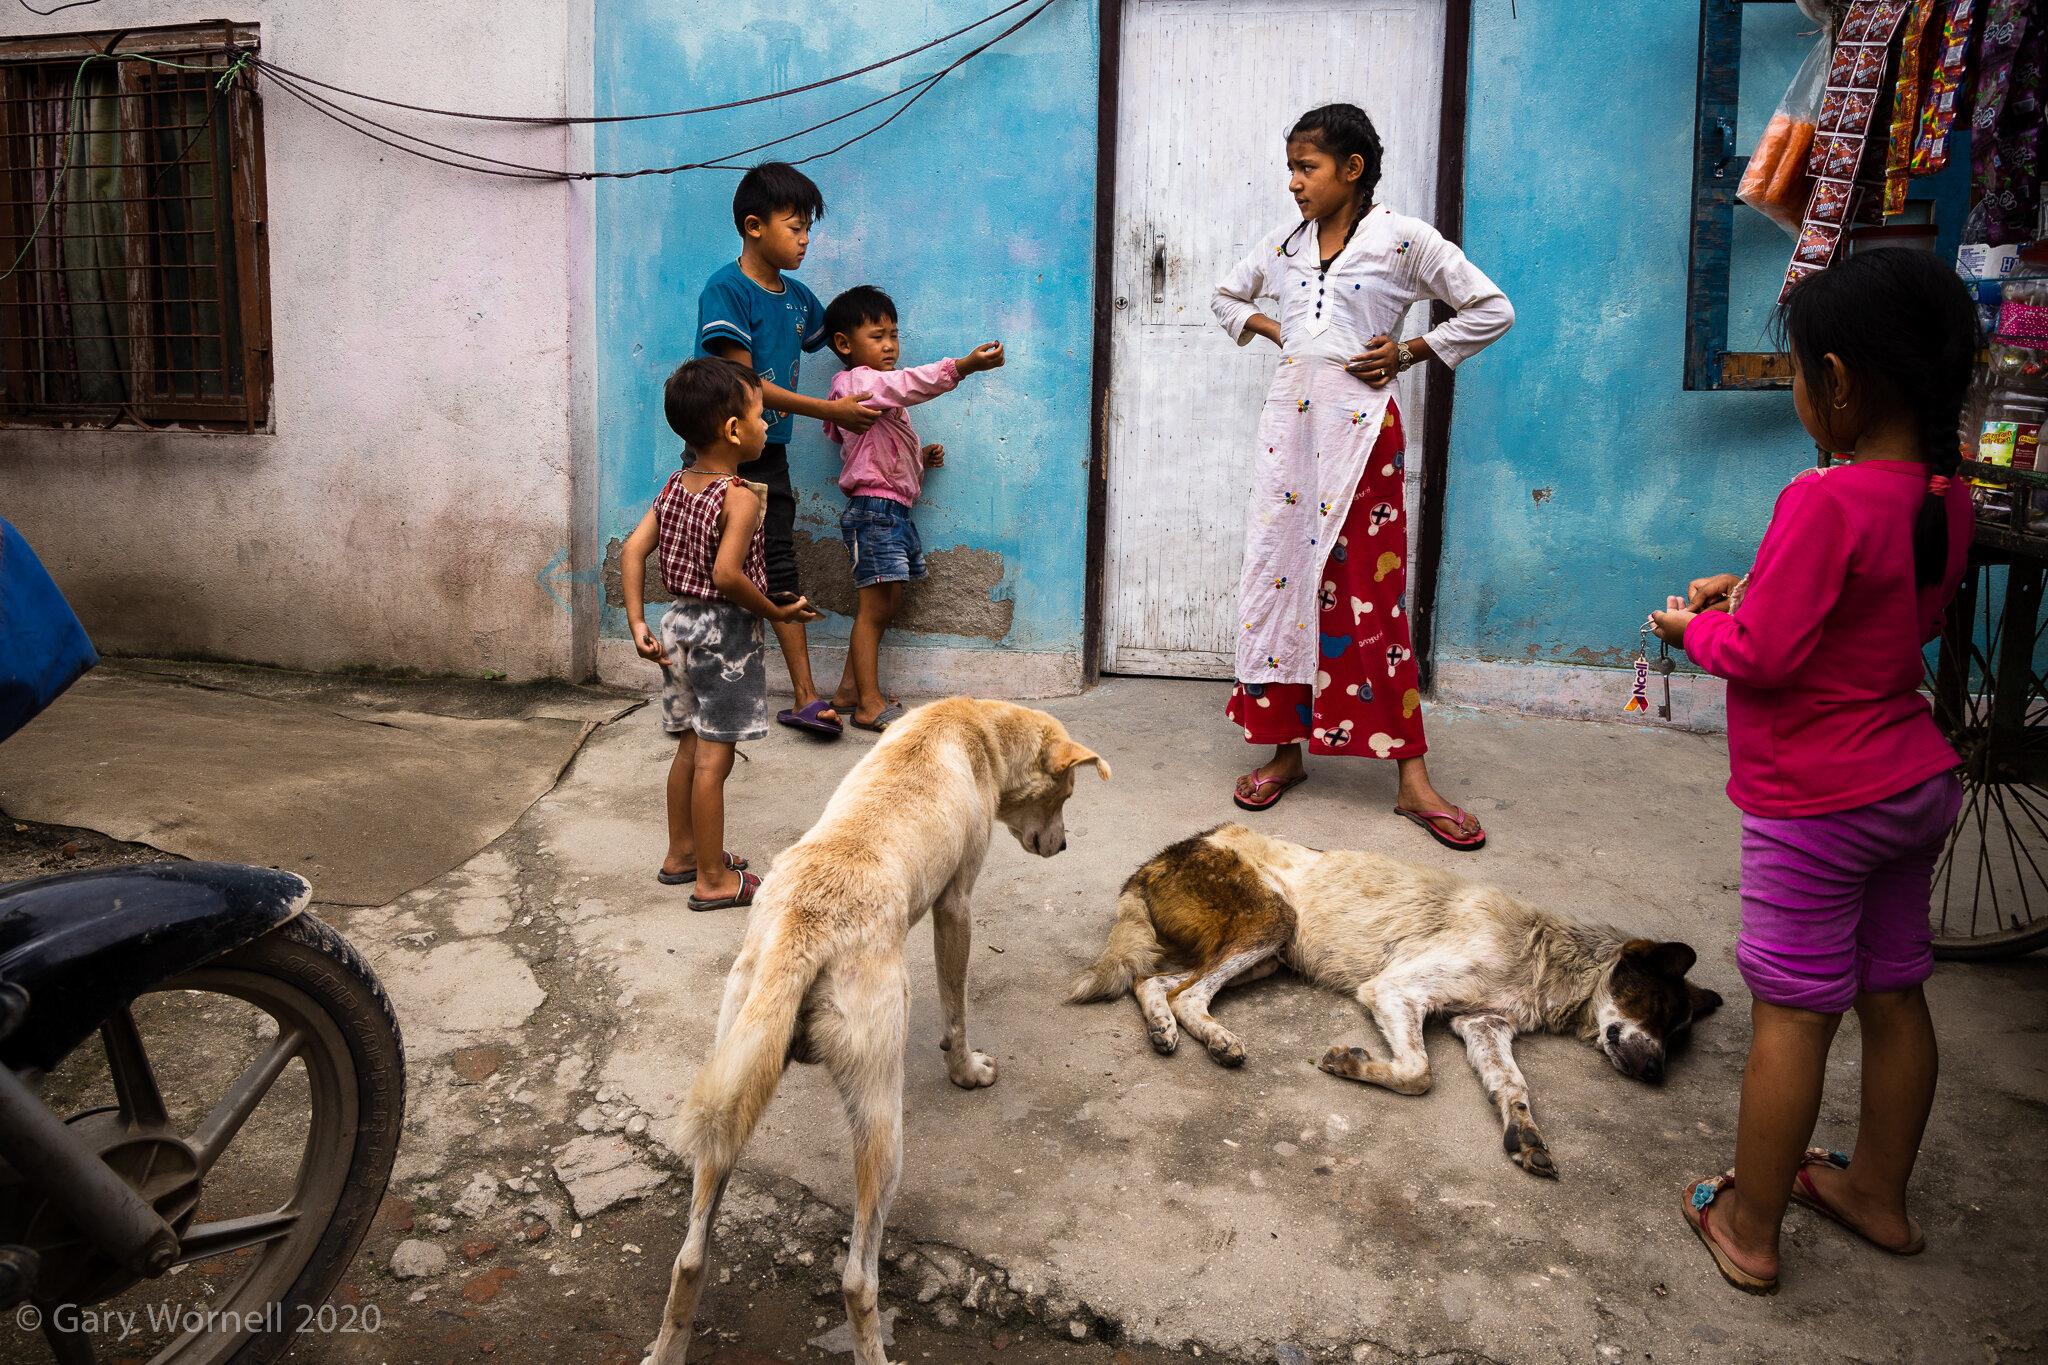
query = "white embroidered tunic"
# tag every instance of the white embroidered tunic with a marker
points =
(1319, 423)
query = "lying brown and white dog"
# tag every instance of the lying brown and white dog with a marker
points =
(820, 975)
(1409, 941)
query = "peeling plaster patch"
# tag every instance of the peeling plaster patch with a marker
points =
(953, 600)
(1539, 494)
(615, 577)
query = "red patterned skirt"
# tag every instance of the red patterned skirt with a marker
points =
(1365, 699)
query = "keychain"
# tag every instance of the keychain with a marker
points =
(1639, 698)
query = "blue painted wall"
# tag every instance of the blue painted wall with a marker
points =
(975, 210)
(1584, 482)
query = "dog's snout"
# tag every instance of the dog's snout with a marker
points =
(1063, 843)
(1653, 1070)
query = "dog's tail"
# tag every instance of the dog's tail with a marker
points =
(734, 1088)
(1133, 949)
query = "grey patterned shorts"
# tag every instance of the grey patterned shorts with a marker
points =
(716, 682)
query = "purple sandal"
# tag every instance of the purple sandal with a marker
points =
(810, 719)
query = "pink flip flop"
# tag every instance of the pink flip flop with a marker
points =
(1427, 819)
(1261, 782)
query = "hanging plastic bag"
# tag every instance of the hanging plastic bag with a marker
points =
(1777, 183)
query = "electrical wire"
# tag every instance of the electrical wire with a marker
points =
(71, 137)
(46, 13)
(561, 120)
(362, 123)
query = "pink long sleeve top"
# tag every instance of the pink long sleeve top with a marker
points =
(886, 461)
(1823, 654)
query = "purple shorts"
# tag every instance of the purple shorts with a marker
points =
(1836, 905)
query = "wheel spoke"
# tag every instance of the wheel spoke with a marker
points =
(232, 1234)
(2013, 847)
(142, 1105)
(1981, 880)
(219, 1127)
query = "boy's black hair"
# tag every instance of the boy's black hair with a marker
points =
(1901, 320)
(702, 394)
(861, 304)
(1344, 131)
(772, 187)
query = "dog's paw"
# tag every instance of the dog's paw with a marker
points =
(977, 1070)
(1165, 1038)
(1525, 1145)
(1348, 1062)
(1227, 1048)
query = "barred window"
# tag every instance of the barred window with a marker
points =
(135, 291)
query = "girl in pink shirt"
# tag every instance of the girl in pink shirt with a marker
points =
(883, 476)
(1846, 786)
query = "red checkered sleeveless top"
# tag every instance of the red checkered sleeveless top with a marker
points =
(687, 543)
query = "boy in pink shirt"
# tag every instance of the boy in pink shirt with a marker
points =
(883, 476)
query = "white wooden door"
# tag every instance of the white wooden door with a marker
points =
(1207, 91)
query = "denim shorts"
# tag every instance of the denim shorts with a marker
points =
(882, 539)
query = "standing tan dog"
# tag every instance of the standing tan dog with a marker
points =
(1408, 941)
(820, 974)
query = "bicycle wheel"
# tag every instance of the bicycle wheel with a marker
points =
(1990, 893)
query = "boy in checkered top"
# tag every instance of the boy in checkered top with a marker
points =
(706, 524)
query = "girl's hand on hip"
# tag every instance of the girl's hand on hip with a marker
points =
(1375, 364)
(1670, 623)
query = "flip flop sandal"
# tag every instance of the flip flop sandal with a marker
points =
(1807, 1195)
(882, 721)
(1699, 1197)
(1284, 785)
(1464, 843)
(686, 877)
(749, 884)
(809, 719)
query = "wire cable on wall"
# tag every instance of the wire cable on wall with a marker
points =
(559, 120)
(916, 90)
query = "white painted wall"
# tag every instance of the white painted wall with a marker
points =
(418, 475)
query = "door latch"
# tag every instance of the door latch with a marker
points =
(1159, 267)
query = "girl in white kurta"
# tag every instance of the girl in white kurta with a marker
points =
(1323, 655)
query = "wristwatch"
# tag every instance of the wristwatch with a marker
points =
(1403, 357)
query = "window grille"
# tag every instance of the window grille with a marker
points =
(132, 215)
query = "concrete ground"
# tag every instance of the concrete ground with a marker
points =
(557, 1001)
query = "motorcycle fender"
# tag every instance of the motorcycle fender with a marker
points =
(84, 944)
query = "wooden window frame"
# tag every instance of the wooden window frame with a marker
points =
(239, 216)
(1716, 171)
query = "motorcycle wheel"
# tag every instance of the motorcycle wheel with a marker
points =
(277, 1266)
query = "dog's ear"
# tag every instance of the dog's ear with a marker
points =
(1704, 1001)
(1065, 754)
(1664, 959)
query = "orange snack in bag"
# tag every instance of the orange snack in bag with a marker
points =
(1776, 183)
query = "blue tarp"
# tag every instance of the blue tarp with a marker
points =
(43, 648)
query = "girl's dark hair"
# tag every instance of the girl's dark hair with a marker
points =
(1344, 131)
(772, 187)
(702, 393)
(1904, 325)
(861, 304)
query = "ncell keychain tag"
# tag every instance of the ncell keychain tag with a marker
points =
(1639, 700)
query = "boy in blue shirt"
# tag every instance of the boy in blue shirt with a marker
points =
(752, 313)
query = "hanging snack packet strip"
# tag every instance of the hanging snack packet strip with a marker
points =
(1855, 81)
(1905, 107)
(1944, 90)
